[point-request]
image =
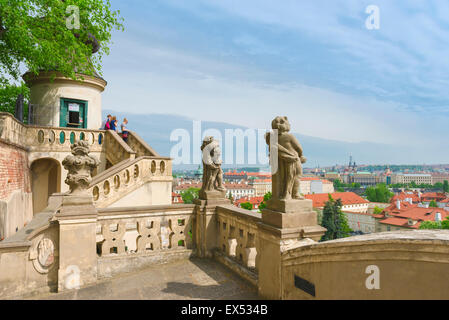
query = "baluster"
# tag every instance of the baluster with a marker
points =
(148, 235)
(114, 242)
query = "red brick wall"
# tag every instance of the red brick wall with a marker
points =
(14, 170)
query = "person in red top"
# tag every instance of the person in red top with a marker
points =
(107, 123)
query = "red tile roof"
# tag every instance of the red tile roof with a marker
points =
(402, 196)
(429, 196)
(399, 223)
(347, 198)
(255, 201)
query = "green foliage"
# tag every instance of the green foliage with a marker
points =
(40, 35)
(380, 193)
(439, 186)
(334, 220)
(189, 195)
(378, 210)
(266, 197)
(247, 206)
(446, 186)
(435, 224)
(433, 204)
(436, 186)
(8, 97)
(339, 186)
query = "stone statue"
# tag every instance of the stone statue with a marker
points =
(289, 161)
(212, 172)
(80, 166)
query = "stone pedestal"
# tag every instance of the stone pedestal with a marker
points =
(284, 222)
(206, 221)
(212, 195)
(77, 242)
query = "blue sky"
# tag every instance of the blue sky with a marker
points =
(246, 61)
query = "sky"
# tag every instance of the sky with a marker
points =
(246, 61)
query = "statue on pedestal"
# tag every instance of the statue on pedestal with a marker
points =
(212, 173)
(80, 166)
(290, 158)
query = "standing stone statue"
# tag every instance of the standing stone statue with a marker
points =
(286, 177)
(80, 166)
(212, 173)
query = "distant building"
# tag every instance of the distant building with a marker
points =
(361, 221)
(402, 215)
(176, 198)
(261, 186)
(365, 178)
(239, 190)
(332, 176)
(310, 185)
(439, 177)
(407, 178)
(350, 201)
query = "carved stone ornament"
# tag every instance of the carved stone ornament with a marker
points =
(43, 255)
(80, 166)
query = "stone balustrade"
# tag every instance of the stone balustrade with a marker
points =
(60, 139)
(47, 139)
(128, 175)
(238, 236)
(129, 238)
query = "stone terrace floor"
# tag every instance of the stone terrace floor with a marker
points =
(195, 279)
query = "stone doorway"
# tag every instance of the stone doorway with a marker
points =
(45, 180)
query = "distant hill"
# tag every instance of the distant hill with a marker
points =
(155, 129)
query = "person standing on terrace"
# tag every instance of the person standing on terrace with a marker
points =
(124, 130)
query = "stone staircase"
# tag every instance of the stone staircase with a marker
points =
(125, 167)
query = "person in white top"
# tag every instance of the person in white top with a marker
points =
(125, 130)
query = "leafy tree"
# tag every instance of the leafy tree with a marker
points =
(446, 186)
(266, 197)
(337, 183)
(231, 198)
(246, 205)
(189, 195)
(378, 210)
(380, 193)
(334, 220)
(438, 186)
(435, 224)
(54, 35)
(433, 204)
(430, 225)
(8, 97)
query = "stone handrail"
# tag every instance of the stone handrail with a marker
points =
(29, 258)
(116, 149)
(387, 265)
(140, 146)
(128, 175)
(238, 235)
